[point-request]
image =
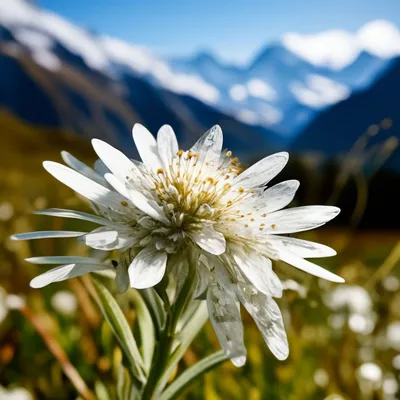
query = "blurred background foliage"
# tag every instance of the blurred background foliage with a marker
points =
(344, 339)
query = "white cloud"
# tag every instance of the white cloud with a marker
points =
(238, 93)
(261, 89)
(248, 116)
(338, 48)
(270, 115)
(319, 91)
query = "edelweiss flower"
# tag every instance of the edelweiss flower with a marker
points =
(177, 203)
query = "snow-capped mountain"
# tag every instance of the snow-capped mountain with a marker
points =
(75, 73)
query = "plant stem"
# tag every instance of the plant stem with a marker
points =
(164, 346)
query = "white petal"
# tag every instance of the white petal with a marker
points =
(209, 240)
(117, 184)
(101, 238)
(224, 312)
(46, 235)
(60, 212)
(309, 267)
(116, 161)
(167, 144)
(302, 248)
(64, 272)
(209, 146)
(277, 196)
(258, 271)
(147, 147)
(147, 268)
(62, 260)
(262, 172)
(82, 168)
(86, 187)
(149, 207)
(299, 219)
(268, 318)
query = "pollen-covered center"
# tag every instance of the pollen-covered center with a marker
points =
(196, 188)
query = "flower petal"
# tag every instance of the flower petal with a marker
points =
(147, 147)
(100, 238)
(224, 312)
(116, 161)
(268, 318)
(258, 270)
(277, 196)
(167, 144)
(82, 168)
(60, 212)
(63, 260)
(86, 187)
(209, 146)
(262, 172)
(46, 235)
(209, 240)
(299, 219)
(147, 268)
(64, 272)
(302, 248)
(115, 183)
(309, 267)
(149, 207)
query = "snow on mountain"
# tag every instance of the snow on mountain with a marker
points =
(37, 29)
(286, 85)
(338, 49)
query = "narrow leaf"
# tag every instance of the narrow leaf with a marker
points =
(194, 372)
(120, 327)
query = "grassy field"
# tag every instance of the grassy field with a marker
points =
(343, 338)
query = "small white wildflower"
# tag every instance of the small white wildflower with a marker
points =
(175, 202)
(64, 302)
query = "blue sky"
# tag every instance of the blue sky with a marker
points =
(233, 29)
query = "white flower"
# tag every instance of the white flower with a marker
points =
(175, 202)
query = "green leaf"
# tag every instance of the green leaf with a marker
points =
(156, 308)
(194, 372)
(186, 336)
(146, 329)
(101, 391)
(120, 327)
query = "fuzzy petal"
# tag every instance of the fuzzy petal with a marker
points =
(116, 161)
(277, 196)
(147, 147)
(46, 235)
(60, 212)
(299, 219)
(268, 318)
(262, 172)
(167, 145)
(64, 272)
(82, 168)
(147, 268)
(209, 146)
(209, 240)
(309, 267)
(302, 248)
(149, 207)
(258, 270)
(224, 312)
(86, 187)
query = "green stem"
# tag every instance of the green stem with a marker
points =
(164, 345)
